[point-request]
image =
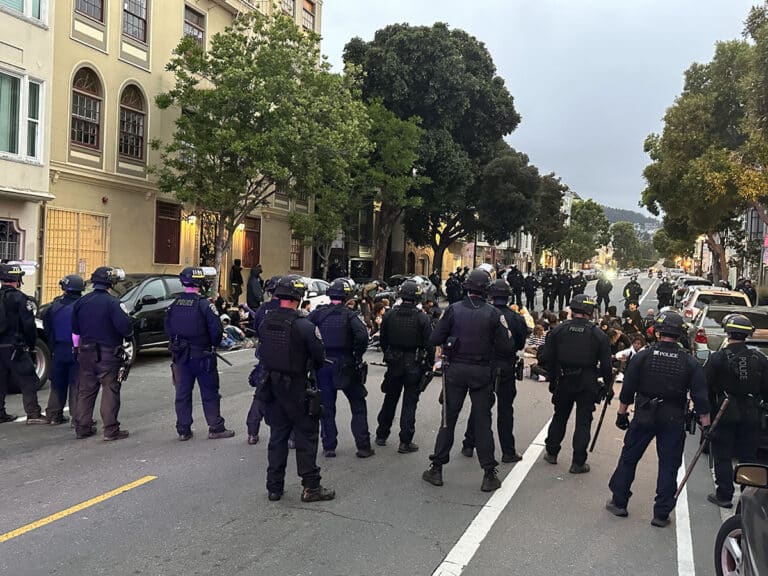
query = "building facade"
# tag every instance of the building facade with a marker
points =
(26, 72)
(109, 66)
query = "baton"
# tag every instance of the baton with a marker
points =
(688, 472)
(599, 425)
(220, 357)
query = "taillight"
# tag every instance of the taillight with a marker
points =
(688, 313)
(701, 336)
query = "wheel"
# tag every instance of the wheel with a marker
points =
(131, 348)
(42, 360)
(729, 560)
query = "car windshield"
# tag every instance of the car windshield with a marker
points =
(761, 345)
(124, 290)
(720, 299)
(697, 283)
(714, 319)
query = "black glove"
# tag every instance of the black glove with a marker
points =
(622, 421)
(707, 433)
(605, 393)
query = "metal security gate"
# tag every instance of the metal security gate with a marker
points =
(75, 243)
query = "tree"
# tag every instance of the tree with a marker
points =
(507, 199)
(626, 245)
(692, 157)
(670, 249)
(588, 230)
(389, 175)
(260, 112)
(448, 79)
(547, 226)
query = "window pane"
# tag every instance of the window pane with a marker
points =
(9, 241)
(10, 89)
(92, 8)
(34, 101)
(36, 11)
(32, 132)
(135, 19)
(194, 25)
(13, 4)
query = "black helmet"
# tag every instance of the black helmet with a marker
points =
(11, 273)
(340, 289)
(192, 277)
(500, 292)
(410, 291)
(107, 275)
(272, 284)
(583, 304)
(739, 326)
(670, 324)
(478, 281)
(72, 283)
(291, 288)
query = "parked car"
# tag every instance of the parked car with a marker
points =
(697, 297)
(740, 546)
(706, 331)
(317, 292)
(429, 289)
(683, 283)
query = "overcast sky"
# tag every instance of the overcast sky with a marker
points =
(591, 78)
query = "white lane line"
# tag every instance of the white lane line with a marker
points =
(466, 547)
(647, 292)
(685, 564)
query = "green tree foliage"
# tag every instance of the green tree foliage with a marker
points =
(670, 249)
(509, 186)
(587, 231)
(627, 249)
(692, 157)
(448, 79)
(259, 111)
(547, 225)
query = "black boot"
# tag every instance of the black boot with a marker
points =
(407, 448)
(467, 451)
(718, 501)
(491, 480)
(318, 494)
(365, 452)
(579, 468)
(511, 457)
(616, 510)
(5, 417)
(434, 475)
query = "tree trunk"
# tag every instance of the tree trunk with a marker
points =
(324, 251)
(387, 218)
(720, 271)
(534, 256)
(224, 235)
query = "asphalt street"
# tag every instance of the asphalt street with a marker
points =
(201, 507)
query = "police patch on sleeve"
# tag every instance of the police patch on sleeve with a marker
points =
(317, 334)
(212, 308)
(30, 306)
(503, 321)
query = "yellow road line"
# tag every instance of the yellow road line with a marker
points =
(74, 509)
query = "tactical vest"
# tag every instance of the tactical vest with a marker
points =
(745, 373)
(576, 345)
(61, 320)
(333, 322)
(275, 339)
(472, 326)
(403, 326)
(187, 322)
(666, 373)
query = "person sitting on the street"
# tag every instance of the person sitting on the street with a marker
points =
(233, 337)
(535, 340)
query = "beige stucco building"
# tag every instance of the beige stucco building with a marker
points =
(26, 71)
(109, 65)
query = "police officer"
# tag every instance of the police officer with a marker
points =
(291, 348)
(571, 354)
(469, 333)
(57, 324)
(578, 284)
(657, 381)
(505, 359)
(404, 339)
(346, 339)
(548, 289)
(632, 291)
(515, 280)
(741, 374)
(530, 285)
(18, 336)
(99, 325)
(603, 289)
(453, 289)
(664, 293)
(563, 289)
(194, 329)
(255, 413)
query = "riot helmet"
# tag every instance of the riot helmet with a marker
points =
(72, 283)
(478, 281)
(11, 273)
(272, 284)
(107, 276)
(500, 292)
(583, 304)
(291, 288)
(340, 289)
(670, 324)
(192, 277)
(738, 327)
(410, 291)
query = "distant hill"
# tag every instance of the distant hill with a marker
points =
(620, 215)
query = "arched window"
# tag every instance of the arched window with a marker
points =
(132, 122)
(86, 108)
